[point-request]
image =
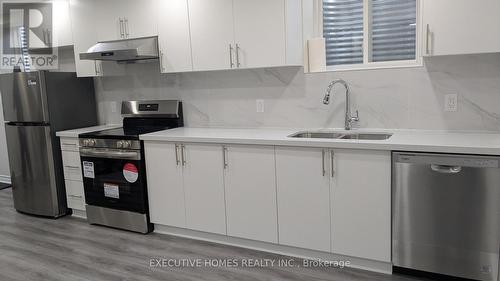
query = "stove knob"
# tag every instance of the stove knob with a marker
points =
(126, 144)
(119, 144)
(85, 142)
(92, 142)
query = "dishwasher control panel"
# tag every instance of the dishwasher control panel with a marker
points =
(449, 160)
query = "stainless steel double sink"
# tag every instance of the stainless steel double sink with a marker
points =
(341, 135)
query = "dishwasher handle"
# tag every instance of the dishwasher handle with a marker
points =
(444, 169)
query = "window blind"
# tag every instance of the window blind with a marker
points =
(393, 30)
(343, 31)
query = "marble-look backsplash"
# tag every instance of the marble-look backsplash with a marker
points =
(402, 98)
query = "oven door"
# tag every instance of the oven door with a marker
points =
(114, 179)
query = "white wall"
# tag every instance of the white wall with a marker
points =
(404, 98)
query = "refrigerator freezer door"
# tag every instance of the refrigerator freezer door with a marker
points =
(32, 170)
(23, 97)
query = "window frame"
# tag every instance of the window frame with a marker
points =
(417, 62)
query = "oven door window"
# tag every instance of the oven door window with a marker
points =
(115, 183)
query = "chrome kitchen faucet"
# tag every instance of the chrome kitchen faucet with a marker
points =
(349, 119)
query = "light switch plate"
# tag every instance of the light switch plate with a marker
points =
(451, 103)
(259, 106)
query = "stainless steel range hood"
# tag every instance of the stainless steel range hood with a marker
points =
(127, 50)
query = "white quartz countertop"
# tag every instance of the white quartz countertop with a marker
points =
(75, 132)
(402, 140)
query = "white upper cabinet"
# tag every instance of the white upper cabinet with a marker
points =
(260, 34)
(303, 194)
(361, 203)
(61, 22)
(229, 34)
(85, 36)
(212, 34)
(122, 19)
(460, 27)
(249, 176)
(174, 36)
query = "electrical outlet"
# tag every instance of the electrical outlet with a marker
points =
(112, 106)
(259, 106)
(451, 102)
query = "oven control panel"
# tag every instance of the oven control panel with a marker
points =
(110, 143)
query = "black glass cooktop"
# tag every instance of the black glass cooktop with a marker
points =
(122, 133)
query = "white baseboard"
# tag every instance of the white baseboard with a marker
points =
(358, 263)
(5, 179)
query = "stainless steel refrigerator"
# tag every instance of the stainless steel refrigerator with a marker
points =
(36, 105)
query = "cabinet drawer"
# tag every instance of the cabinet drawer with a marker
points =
(71, 165)
(75, 195)
(69, 144)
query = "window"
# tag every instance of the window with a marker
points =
(368, 33)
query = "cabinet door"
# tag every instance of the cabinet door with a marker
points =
(204, 188)
(108, 15)
(165, 186)
(173, 36)
(212, 33)
(461, 27)
(84, 34)
(303, 190)
(75, 196)
(140, 17)
(259, 28)
(361, 204)
(61, 21)
(251, 193)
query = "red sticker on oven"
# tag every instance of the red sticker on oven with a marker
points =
(130, 172)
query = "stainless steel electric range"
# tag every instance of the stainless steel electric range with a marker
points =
(114, 171)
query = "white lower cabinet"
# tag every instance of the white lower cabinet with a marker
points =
(75, 195)
(250, 185)
(329, 200)
(204, 187)
(186, 186)
(361, 204)
(303, 198)
(165, 184)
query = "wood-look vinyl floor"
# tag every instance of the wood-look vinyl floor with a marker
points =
(68, 248)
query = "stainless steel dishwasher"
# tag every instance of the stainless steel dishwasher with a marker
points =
(446, 214)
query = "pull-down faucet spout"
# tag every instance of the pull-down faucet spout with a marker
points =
(349, 119)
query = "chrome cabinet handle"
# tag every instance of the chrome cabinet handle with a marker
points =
(183, 155)
(444, 169)
(231, 63)
(224, 157)
(75, 196)
(127, 33)
(332, 163)
(95, 68)
(177, 161)
(73, 167)
(121, 27)
(323, 171)
(238, 64)
(427, 40)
